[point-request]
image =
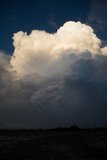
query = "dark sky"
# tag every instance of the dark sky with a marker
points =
(38, 14)
(48, 15)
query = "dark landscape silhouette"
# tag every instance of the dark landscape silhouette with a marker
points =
(62, 143)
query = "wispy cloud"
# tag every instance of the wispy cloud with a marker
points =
(51, 22)
(97, 15)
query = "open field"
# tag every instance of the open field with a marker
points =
(82, 144)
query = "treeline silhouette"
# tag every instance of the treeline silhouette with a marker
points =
(72, 127)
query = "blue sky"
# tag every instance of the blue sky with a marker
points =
(42, 14)
(49, 15)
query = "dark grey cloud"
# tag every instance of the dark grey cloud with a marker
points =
(14, 96)
(78, 96)
(81, 95)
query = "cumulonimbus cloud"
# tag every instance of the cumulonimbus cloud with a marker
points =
(39, 51)
(54, 78)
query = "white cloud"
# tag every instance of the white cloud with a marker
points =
(104, 51)
(42, 53)
(67, 72)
